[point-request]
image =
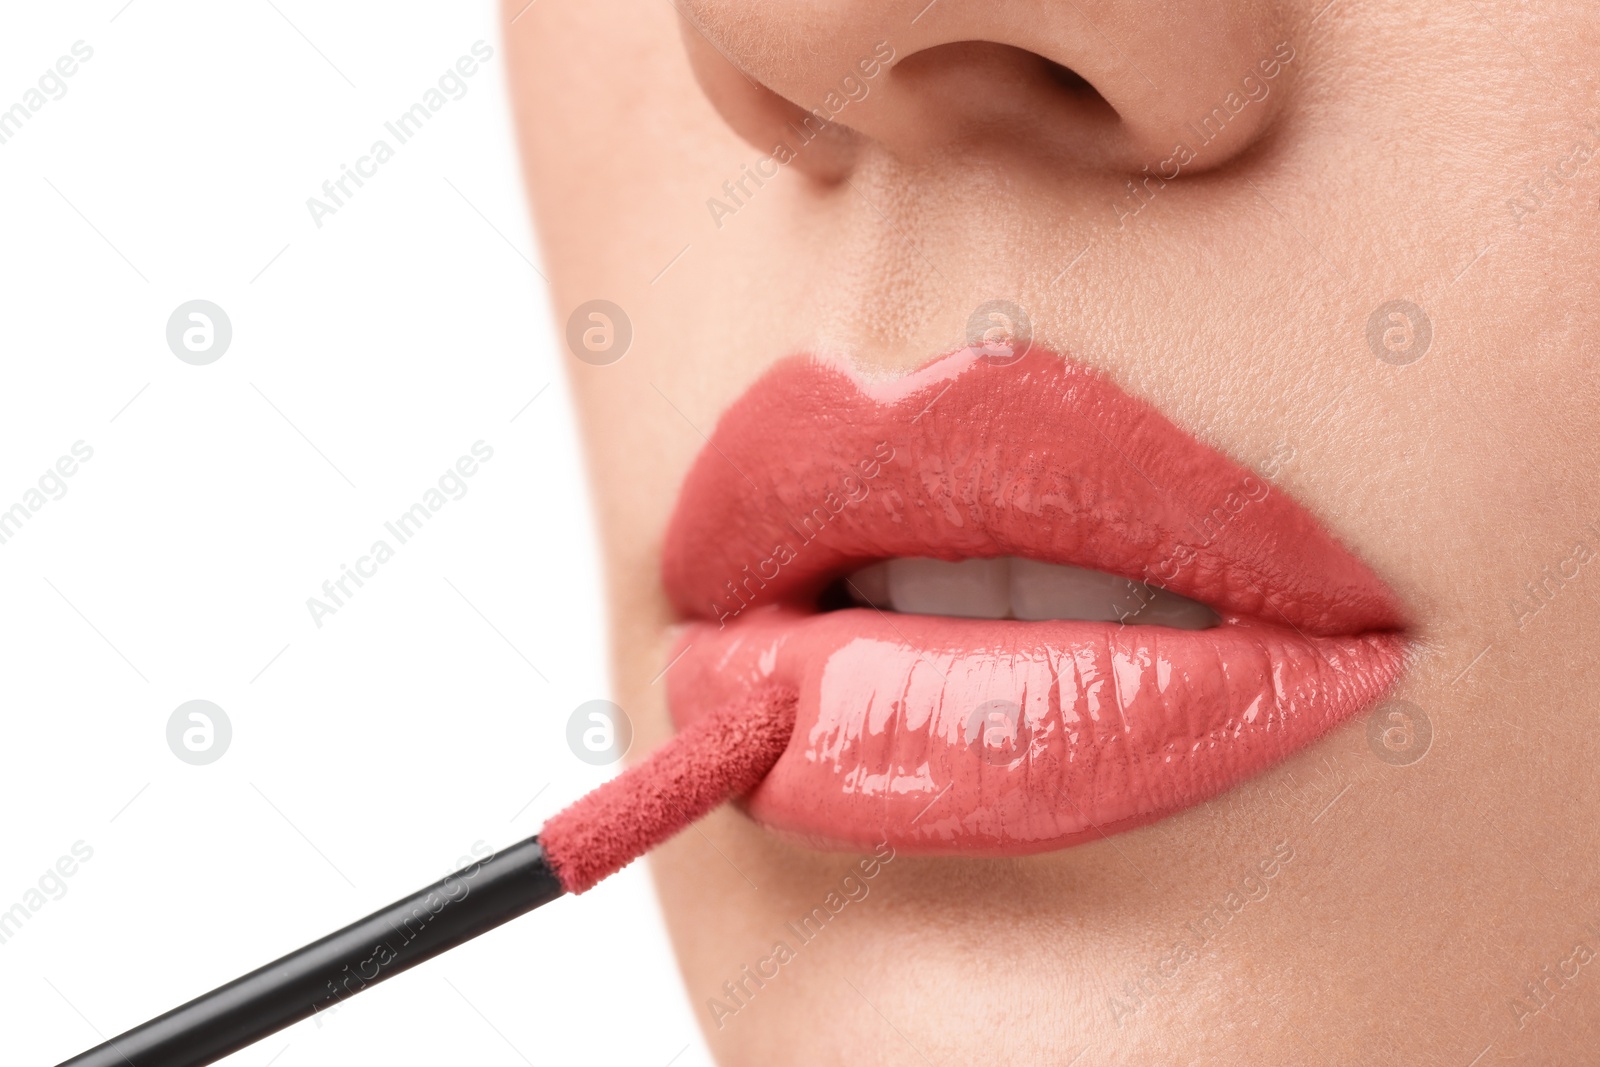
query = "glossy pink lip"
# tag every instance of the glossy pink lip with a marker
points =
(994, 736)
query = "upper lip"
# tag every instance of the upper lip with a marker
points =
(1153, 505)
(816, 471)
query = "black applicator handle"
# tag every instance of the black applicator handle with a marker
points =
(457, 908)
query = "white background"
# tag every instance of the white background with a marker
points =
(428, 713)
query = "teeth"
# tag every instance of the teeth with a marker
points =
(1044, 591)
(1008, 588)
(970, 589)
(870, 586)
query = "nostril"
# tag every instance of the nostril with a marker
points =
(1041, 85)
(975, 90)
(1070, 80)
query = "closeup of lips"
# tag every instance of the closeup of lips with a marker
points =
(1022, 608)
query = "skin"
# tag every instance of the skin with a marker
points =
(1400, 155)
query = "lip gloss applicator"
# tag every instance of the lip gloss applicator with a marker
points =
(716, 758)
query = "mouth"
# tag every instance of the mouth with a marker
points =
(1021, 607)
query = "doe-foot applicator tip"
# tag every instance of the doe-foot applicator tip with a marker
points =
(713, 759)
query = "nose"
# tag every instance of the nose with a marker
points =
(1179, 86)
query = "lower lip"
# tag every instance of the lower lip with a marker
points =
(1008, 738)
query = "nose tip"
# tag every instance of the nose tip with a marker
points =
(1102, 84)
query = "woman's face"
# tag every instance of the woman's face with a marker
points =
(1350, 247)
